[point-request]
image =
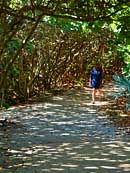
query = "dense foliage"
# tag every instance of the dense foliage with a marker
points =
(48, 43)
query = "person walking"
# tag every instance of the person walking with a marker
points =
(95, 81)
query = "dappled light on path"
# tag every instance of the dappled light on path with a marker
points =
(65, 134)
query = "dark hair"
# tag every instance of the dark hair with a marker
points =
(98, 67)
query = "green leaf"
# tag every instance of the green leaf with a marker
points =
(29, 47)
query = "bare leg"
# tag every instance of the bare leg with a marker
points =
(93, 95)
(100, 93)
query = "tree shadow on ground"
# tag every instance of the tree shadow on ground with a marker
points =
(64, 134)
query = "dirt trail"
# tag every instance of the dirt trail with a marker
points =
(64, 134)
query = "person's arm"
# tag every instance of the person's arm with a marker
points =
(90, 79)
(90, 82)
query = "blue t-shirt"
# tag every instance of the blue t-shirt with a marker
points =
(96, 78)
